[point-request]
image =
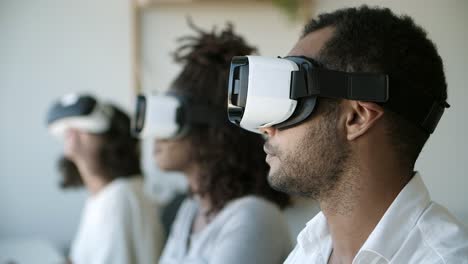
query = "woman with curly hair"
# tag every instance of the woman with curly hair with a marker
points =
(119, 222)
(232, 215)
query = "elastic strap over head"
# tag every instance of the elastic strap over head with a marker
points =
(312, 80)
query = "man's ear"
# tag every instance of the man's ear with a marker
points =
(360, 117)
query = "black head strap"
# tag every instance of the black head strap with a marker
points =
(202, 114)
(313, 80)
(196, 112)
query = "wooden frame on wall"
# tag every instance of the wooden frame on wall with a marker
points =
(303, 12)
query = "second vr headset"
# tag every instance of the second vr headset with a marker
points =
(282, 92)
(171, 116)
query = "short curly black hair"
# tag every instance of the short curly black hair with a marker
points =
(373, 39)
(119, 156)
(232, 160)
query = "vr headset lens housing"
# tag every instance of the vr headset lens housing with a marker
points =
(157, 116)
(171, 116)
(282, 92)
(81, 112)
(259, 91)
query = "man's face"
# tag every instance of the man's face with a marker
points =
(308, 159)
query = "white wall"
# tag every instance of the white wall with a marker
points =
(444, 161)
(48, 48)
(262, 24)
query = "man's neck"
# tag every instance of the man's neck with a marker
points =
(356, 205)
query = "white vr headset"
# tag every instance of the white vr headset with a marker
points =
(283, 92)
(81, 112)
(171, 116)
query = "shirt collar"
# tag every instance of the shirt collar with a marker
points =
(316, 238)
(397, 222)
(386, 238)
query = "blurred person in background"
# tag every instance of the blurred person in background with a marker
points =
(232, 215)
(119, 222)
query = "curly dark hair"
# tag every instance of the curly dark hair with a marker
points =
(232, 160)
(368, 39)
(119, 156)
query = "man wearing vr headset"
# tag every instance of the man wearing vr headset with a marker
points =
(346, 116)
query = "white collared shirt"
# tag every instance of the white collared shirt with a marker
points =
(414, 229)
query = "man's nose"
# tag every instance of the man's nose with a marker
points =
(268, 131)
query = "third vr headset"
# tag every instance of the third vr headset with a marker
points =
(171, 116)
(282, 92)
(75, 111)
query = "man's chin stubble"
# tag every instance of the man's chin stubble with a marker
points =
(282, 182)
